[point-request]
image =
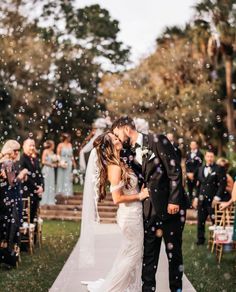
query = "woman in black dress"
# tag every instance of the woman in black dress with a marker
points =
(9, 199)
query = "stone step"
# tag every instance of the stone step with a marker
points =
(58, 207)
(79, 202)
(74, 218)
(74, 213)
(78, 198)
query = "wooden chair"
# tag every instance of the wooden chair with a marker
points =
(227, 222)
(27, 230)
(218, 217)
(38, 233)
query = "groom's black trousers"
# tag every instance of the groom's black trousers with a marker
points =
(171, 231)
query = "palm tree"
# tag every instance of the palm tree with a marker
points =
(221, 16)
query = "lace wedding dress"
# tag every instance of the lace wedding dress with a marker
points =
(125, 275)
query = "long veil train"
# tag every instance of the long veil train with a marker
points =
(90, 216)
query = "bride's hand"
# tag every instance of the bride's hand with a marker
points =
(143, 194)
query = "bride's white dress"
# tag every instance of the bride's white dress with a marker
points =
(125, 275)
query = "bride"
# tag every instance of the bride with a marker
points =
(125, 274)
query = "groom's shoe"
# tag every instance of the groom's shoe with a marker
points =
(200, 243)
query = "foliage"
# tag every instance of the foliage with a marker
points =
(173, 88)
(53, 70)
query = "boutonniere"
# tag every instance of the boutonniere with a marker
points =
(145, 151)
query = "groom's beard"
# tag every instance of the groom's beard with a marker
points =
(126, 144)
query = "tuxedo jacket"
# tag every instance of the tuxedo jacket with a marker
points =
(128, 157)
(35, 177)
(212, 185)
(192, 164)
(162, 175)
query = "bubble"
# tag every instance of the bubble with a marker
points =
(182, 212)
(170, 246)
(159, 233)
(227, 276)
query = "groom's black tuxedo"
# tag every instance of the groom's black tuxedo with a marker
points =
(161, 173)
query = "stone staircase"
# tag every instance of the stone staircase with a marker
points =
(70, 208)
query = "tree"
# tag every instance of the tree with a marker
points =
(222, 15)
(171, 88)
(53, 70)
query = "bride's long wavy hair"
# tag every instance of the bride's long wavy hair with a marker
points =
(107, 155)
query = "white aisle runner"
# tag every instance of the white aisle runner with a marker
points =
(108, 240)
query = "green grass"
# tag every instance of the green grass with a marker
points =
(202, 268)
(38, 272)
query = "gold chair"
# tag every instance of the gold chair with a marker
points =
(218, 218)
(38, 229)
(227, 222)
(27, 230)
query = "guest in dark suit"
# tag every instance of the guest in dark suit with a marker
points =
(33, 186)
(164, 213)
(194, 160)
(211, 187)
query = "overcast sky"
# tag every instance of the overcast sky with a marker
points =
(141, 21)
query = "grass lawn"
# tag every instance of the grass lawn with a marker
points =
(202, 268)
(38, 272)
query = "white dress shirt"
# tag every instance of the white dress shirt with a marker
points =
(138, 150)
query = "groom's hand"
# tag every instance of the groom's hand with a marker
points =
(172, 209)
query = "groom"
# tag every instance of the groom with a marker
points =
(153, 159)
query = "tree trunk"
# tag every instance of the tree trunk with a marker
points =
(229, 101)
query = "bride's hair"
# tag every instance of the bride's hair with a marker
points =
(107, 155)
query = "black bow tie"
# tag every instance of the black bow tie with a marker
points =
(208, 166)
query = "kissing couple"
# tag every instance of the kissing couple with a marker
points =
(145, 180)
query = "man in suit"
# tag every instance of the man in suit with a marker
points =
(33, 186)
(164, 213)
(211, 186)
(194, 160)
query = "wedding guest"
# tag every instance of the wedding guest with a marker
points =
(99, 127)
(230, 182)
(194, 160)
(33, 186)
(10, 199)
(211, 184)
(66, 161)
(49, 162)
